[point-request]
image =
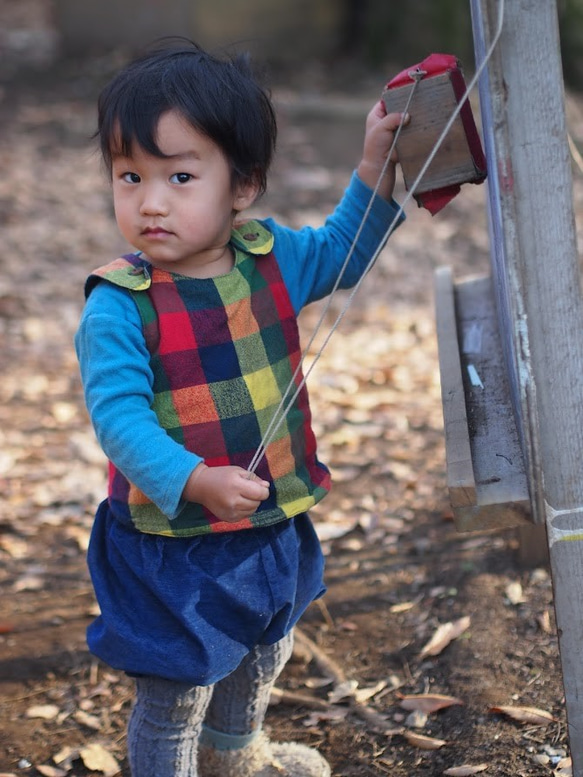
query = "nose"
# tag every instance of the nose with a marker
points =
(153, 202)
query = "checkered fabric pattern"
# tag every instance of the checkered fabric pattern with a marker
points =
(223, 352)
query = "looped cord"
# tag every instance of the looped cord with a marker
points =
(283, 408)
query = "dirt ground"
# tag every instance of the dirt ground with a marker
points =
(397, 569)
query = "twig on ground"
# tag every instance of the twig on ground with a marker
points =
(327, 665)
(280, 696)
(376, 722)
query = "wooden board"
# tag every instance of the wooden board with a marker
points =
(431, 107)
(486, 477)
(460, 470)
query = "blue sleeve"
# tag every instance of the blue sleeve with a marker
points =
(311, 259)
(117, 381)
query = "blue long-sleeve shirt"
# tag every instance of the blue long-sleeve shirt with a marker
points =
(114, 359)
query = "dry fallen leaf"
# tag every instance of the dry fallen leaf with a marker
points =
(530, 715)
(564, 768)
(428, 702)
(50, 771)
(445, 634)
(332, 715)
(15, 546)
(96, 758)
(318, 682)
(81, 536)
(514, 593)
(402, 607)
(63, 412)
(90, 721)
(44, 711)
(342, 691)
(364, 694)
(466, 770)
(28, 583)
(348, 625)
(66, 756)
(544, 622)
(542, 759)
(333, 529)
(423, 742)
(416, 719)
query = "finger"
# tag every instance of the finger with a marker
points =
(393, 120)
(256, 492)
(256, 479)
(252, 477)
(255, 488)
(376, 114)
(246, 508)
(379, 109)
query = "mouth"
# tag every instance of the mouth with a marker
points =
(155, 232)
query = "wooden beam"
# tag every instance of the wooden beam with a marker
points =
(535, 263)
(458, 451)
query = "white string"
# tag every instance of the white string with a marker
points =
(273, 426)
(416, 75)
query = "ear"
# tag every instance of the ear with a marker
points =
(246, 193)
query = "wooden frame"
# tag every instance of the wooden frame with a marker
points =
(537, 306)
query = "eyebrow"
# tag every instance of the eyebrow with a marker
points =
(181, 156)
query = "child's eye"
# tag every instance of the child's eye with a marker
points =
(131, 178)
(180, 178)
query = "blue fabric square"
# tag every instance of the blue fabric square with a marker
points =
(219, 362)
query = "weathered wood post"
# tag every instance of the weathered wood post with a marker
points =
(536, 276)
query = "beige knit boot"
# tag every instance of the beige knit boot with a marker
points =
(262, 758)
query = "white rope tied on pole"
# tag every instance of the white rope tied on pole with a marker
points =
(281, 411)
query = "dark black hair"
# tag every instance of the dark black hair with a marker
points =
(220, 97)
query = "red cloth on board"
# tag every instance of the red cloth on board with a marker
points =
(433, 65)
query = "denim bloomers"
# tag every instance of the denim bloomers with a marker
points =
(190, 609)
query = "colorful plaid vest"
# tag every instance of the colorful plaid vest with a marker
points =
(222, 351)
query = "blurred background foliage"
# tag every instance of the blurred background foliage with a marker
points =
(373, 34)
(413, 29)
(571, 30)
(407, 32)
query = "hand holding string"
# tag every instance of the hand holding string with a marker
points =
(229, 492)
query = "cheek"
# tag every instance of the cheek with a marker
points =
(121, 202)
(123, 213)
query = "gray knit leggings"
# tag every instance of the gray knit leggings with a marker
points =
(167, 717)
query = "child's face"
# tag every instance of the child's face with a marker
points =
(179, 209)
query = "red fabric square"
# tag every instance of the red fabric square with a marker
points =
(176, 333)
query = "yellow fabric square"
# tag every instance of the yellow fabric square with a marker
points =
(263, 388)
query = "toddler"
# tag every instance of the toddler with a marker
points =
(186, 348)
